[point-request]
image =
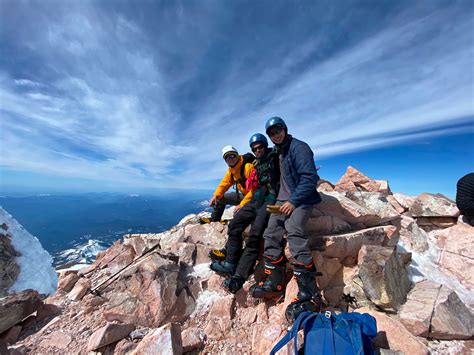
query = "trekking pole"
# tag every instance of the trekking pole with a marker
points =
(95, 290)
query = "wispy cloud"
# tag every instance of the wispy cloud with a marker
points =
(149, 96)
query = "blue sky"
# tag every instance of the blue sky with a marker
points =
(131, 95)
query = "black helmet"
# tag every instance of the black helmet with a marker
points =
(275, 121)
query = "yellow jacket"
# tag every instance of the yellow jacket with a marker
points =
(227, 181)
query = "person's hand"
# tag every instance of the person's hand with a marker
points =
(287, 208)
(237, 209)
(213, 201)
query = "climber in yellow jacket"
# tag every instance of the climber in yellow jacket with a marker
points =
(237, 174)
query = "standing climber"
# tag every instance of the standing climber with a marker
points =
(264, 183)
(296, 196)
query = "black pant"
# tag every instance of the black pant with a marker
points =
(247, 215)
(229, 198)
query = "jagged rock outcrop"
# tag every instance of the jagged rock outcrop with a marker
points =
(9, 269)
(15, 307)
(363, 240)
(434, 311)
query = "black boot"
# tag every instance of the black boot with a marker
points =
(219, 208)
(274, 284)
(223, 268)
(234, 283)
(308, 297)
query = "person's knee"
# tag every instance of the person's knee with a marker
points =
(295, 230)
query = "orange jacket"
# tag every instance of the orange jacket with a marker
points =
(227, 181)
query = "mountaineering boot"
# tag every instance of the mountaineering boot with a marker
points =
(204, 220)
(274, 284)
(223, 267)
(218, 254)
(234, 283)
(308, 297)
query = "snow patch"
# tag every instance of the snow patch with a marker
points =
(84, 253)
(424, 266)
(36, 270)
(201, 271)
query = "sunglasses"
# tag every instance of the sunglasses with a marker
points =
(274, 131)
(258, 147)
(230, 157)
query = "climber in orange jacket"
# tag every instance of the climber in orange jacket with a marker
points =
(240, 168)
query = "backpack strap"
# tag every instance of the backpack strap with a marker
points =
(307, 317)
(293, 333)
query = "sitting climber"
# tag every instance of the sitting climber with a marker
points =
(239, 169)
(264, 184)
(296, 196)
(465, 197)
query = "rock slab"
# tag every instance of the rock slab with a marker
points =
(108, 334)
(165, 340)
(15, 307)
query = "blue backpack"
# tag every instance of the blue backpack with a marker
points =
(332, 334)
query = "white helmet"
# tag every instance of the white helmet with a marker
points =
(228, 149)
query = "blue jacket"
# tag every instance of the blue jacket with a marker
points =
(300, 172)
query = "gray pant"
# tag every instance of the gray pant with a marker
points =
(229, 198)
(294, 224)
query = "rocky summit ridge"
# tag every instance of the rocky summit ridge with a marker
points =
(406, 260)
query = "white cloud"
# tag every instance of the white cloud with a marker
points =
(109, 110)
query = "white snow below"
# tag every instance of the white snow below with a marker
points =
(81, 253)
(36, 270)
(424, 266)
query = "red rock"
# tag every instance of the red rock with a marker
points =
(164, 340)
(336, 204)
(56, 339)
(67, 282)
(383, 187)
(385, 280)
(248, 315)
(124, 347)
(213, 234)
(28, 321)
(186, 253)
(393, 201)
(399, 338)
(220, 318)
(324, 185)
(3, 347)
(137, 242)
(11, 335)
(202, 254)
(47, 310)
(87, 270)
(412, 237)
(354, 180)
(108, 334)
(344, 245)
(79, 290)
(192, 339)
(147, 294)
(377, 203)
(451, 318)
(404, 200)
(457, 257)
(15, 307)
(266, 336)
(416, 313)
(429, 205)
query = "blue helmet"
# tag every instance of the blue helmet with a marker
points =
(275, 121)
(258, 137)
